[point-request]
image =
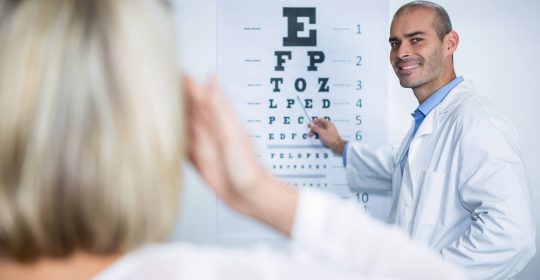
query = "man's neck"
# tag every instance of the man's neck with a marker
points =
(425, 91)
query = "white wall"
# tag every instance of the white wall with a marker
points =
(499, 48)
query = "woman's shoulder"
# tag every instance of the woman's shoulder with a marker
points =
(188, 261)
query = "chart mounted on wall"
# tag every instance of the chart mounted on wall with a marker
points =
(283, 63)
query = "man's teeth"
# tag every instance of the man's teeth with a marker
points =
(410, 67)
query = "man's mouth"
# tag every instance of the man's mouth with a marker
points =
(407, 68)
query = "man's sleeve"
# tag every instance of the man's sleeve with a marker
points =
(370, 168)
(336, 232)
(493, 187)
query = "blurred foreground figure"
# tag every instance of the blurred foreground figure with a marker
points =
(92, 138)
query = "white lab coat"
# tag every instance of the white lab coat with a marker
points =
(463, 192)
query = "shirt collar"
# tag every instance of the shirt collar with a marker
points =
(437, 97)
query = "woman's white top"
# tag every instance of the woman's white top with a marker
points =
(331, 239)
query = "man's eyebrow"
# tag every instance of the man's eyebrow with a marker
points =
(408, 35)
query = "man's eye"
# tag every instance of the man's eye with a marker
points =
(416, 40)
(394, 44)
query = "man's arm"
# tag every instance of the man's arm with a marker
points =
(367, 168)
(370, 168)
(493, 186)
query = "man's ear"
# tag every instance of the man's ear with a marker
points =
(451, 42)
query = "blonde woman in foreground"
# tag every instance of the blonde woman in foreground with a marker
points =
(92, 138)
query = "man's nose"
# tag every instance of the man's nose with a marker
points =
(404, 50)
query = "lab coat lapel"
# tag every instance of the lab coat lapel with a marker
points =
(428, 124)
(426, 128)
(406, 142)
(433, 119)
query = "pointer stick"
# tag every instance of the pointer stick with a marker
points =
(305, 111)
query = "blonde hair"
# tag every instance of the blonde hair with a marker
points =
(91, 126)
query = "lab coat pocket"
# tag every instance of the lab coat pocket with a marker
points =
(429, 186)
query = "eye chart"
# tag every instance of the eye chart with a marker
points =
(283, 63)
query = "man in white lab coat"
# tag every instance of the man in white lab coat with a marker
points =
(458, 180)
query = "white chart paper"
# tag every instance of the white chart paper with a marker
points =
(282, 62)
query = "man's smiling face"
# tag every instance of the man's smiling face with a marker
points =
(416, 53)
